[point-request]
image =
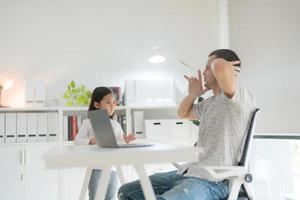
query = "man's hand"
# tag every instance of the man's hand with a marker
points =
(232, 65)
(128, 138)
(196, 85)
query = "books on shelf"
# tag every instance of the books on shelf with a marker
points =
(71, 126)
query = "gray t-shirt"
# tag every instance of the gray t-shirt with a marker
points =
(222, 131)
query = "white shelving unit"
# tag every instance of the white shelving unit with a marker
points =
(22, 171)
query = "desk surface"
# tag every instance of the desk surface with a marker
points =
(94, 156)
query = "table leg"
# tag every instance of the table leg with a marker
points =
(85, 184)
(103, 183)
(145, 183)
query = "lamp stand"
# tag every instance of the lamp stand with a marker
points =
(1, 106)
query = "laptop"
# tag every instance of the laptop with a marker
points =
(104, 133)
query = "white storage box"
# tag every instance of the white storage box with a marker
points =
(175, 131)
(179, 129)
(157, 129)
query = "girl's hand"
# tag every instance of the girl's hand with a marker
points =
(92, 141)
(128, 138)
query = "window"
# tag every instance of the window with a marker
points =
(275, 165)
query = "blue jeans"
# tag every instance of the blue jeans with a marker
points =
(112, 186)
(172, 186)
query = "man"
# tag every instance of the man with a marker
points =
(224, 118)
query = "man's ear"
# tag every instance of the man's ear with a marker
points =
(96, 104)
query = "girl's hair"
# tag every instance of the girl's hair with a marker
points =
(97, 95)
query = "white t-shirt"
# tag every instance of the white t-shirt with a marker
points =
(86, 132)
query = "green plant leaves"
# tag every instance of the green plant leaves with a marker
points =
(72, 84)
(77, 96)
(197, 122)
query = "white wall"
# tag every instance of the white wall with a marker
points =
(100, 42)
(266, 33)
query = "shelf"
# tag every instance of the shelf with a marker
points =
(127, 112)
(29, 109)
(29, 143)
(70, 109)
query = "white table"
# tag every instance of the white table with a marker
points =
(94, 157)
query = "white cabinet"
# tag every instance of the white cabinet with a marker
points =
(22, 170)
(12, 170)
(23, 175)
(40, 182)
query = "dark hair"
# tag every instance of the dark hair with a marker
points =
(226, 54)
(97, 95)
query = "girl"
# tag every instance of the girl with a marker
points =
(102, 98)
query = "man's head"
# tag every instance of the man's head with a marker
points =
(226, 54)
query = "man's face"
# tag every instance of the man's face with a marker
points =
(209, 77)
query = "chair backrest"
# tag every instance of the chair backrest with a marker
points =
(248, 140)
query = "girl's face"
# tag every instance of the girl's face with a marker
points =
(107, 103)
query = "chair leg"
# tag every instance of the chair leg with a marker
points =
(249, 191)
(235, 188)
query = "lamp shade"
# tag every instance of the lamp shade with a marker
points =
(157, 59)
(7, 84)
(160, 58)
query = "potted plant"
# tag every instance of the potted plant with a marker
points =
(77, 95)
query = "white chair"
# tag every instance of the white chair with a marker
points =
(239, 176)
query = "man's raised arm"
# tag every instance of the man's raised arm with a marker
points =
(226, 74)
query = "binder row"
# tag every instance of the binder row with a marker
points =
(28, 127)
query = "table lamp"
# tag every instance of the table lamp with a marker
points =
(4, 86)
(158, 58)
